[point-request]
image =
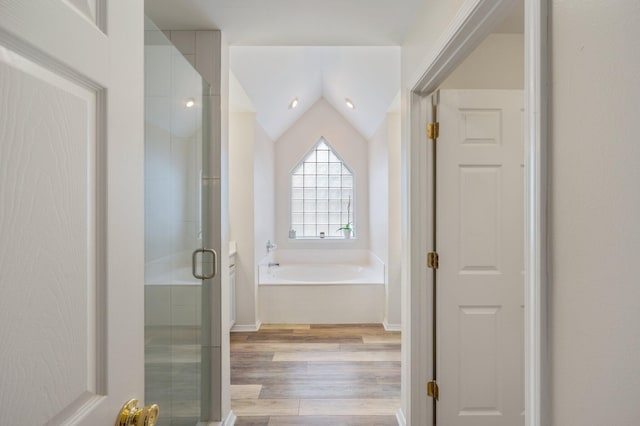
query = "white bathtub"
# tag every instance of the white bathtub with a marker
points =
(172, 294)
(181, 275)
(174, 269)
(319, 274)
(321, 287)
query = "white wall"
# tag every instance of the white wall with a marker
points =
(420, 41)
(595, 206)
(322, 120)
(158, 220)
(172, 143)
(384, 210)
(242, 126)
(393, 314)
(264, 191)
(497, 63)
(379, 193)
(251, 199)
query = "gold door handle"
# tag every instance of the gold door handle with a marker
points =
(131, 415)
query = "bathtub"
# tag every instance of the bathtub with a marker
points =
(321, 287)
(323, 274)
(181, 275)
(172, 294)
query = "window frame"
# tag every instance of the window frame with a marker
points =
(300, 163)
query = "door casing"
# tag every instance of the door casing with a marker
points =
(474, 21)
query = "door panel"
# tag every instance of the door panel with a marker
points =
(86, 8)
(48, 246)
(479, 331)
(70, 232)
(480, 242)
(479, 218)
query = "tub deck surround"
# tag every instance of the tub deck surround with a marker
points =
(313, 266)
(168, 276)
(319, 304)
(357, 256)
(321, 286)
(319, 274)
(175, 269)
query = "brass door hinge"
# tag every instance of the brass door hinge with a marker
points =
(433, 130)
(433, 260)
(433, 391)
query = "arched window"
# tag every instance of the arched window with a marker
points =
(322, 194)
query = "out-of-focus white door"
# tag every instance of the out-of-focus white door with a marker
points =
(71, 210)
(480, 244)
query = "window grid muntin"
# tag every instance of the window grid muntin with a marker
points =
(321, 187)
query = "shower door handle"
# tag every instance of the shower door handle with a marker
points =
(194, 263)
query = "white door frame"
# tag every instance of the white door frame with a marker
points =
(474, 21)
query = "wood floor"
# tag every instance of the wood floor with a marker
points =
(330, 375)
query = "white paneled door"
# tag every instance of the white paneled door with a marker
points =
(71, 210)
(480, 242)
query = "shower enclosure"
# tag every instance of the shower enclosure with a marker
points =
(182, 238)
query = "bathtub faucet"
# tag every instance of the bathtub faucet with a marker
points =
(272, 264)
(270, 246)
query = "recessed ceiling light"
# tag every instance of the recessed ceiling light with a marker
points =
(349, 103)
(294, 103)
(189, 103)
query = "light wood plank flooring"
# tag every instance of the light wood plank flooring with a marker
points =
(329, 375)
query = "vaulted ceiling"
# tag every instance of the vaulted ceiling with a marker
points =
(286, 49)
(292, 22)
(273, 76)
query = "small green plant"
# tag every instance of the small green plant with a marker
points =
(348, 224)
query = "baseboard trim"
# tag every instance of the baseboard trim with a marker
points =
(244, 328)
(391, 327)
(402, 421)
(230, 420)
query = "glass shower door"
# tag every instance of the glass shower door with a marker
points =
(179, 210)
